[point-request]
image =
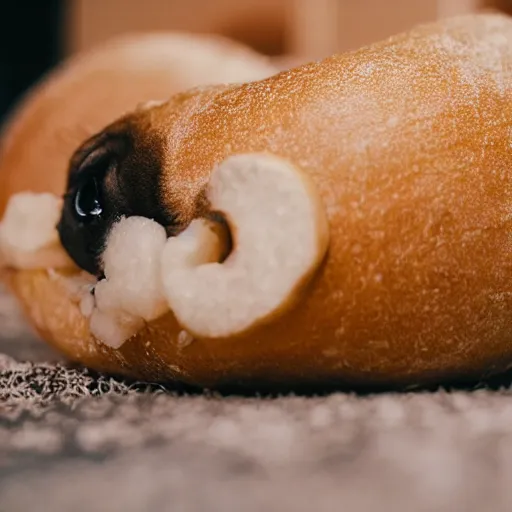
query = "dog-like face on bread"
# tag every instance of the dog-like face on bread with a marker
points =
(367, 199)
(121, 172)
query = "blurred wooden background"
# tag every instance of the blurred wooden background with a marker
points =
(305, 28)
(37, 34)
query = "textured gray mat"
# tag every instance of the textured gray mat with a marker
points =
(74, 441)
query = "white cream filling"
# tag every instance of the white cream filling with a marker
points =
(131, 293)
(28, 233)
(279, 238)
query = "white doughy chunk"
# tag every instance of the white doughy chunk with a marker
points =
(279, 232)
(28, 233)
(131, 292)
(114, 329)
(132, 269)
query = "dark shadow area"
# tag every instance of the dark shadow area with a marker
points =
(30, 45)
(502, 381)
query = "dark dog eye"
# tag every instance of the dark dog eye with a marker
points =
(93, 199)
(87, 202)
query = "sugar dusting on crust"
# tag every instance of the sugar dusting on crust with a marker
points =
(345, 110)
(478, 51)
(404, 140)
(383, 94)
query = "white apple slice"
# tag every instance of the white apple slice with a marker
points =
(279, 235)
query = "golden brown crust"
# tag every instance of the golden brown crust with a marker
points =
(408, 144)
(88, 91)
